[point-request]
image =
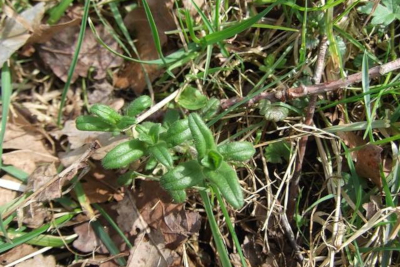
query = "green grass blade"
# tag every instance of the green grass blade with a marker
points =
(238, 28)
(154, 30)
(6, 89)
(58, 11)
(274, 27)
(170, 59)
(223, 253)
(367, 97)
(107, 241)
(356, 43)
(74, 59)
(113, 224)
(210, 28)
(34, 233)
(230, 226)
(303, 36)
(17, 173)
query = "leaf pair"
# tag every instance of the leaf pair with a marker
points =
(106, 119)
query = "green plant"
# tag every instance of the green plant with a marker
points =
(184, 148)
(206, 164)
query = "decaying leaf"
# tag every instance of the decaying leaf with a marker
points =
(46, 186)
(58, 53)
(132, 75)
(7, 195)
(152, 252)
(15, 30)
(35, 214)
(39, 260)
(87, 240)
(368, 160)
(16, 253)
(27, 160)
(157, 209)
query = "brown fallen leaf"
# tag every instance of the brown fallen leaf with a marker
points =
(39, 260)
(368, 161)
(15, 29)
(151, 252)
(87, 240)
(58, 53)
(16, 253)
(27, 160)
(35, 215)
(7, 195)
(132, 75)
(159, 212)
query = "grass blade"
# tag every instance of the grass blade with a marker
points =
(367, 97)
(74, 59)
(223, 253)
(230, 226)
(34, 233)
(6, 90)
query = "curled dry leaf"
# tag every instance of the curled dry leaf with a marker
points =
(15, 29)
(87, 240)
(58, 52)
(136, 21)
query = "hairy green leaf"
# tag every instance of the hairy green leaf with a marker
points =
(226, 180)
(237, 151)
(183, 176)
(123, 154)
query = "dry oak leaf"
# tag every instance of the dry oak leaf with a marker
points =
(58, 53)
(16, 253)
(132, 74)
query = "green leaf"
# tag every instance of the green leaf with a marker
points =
(138, 105)
(275, 152)
(126, 122)
(273, 112)
(170, 117)
(91, 123)
(237, 151)
(226, 180)
(154, 132)
(213, 160)
(178, 132)
(178, 196)
(183, 176)
(123, 154)
(106, 113)
(385, 13)
(126, 179)
(203, 138)
(210, 109)
(192, 99)
(161, 154)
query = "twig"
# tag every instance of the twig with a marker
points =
(68, 173)
(294, 184)
(301, 91)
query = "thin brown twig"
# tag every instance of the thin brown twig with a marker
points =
(294, 184)
(301, 91)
